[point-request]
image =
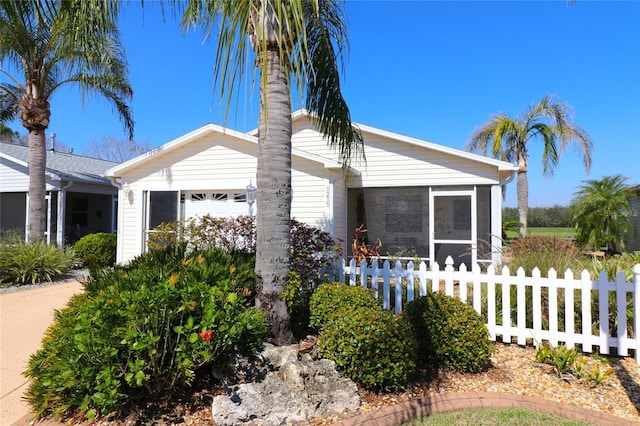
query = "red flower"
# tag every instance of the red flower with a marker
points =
(206, 335)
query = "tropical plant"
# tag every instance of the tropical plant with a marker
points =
(601, 213)
(30, 263)
(297, 44)
(507, 138)
(48, 45)
(145, 329)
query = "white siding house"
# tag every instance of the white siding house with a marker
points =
(417, 197)
(80, 200)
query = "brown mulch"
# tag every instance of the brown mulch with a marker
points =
(513, 370)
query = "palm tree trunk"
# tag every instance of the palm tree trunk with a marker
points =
(274, 198)
(37, 188)
(523, 201)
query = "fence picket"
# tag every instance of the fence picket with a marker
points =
(587, 334)
(553, 307)
(621, 313)
(397, 275)
(375, 275)
(521, 301)
(410, 284)
(477, 288)
(423, 278)
(569, 309)
(545, 293)
(536, 300)
(386, 282)
(506, 304)
(603, 300)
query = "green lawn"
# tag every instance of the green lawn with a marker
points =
(546, 232)
(489, 417)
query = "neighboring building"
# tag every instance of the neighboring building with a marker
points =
(80, 200)
(633, 242)
(415, 196)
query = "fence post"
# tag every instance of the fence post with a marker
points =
(635, 280)
(341, 268)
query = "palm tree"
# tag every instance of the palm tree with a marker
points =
(601, 213)
(294, 44)
(49, 45)
(509, 137)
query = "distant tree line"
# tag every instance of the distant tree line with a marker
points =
(542, 217)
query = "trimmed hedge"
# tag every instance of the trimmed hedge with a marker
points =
(450, 334)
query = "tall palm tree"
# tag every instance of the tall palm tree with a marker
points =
(508, 139)
(48, 45)
(600, 212)
(296, 45)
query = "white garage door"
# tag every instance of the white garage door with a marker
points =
(215, 203)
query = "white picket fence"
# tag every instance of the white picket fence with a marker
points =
(554, 303)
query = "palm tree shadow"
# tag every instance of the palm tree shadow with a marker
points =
(628, 382)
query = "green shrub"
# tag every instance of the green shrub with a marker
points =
(371, 346)
(297, 302)
(143, 329)
(450, 334)
(312, 250)
(97, 250)
(329, 299)
(23, 263)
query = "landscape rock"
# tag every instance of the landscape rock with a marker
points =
(295, 389)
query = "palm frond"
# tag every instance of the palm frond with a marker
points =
(323, 93)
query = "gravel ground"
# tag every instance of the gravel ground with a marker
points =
(515, 371)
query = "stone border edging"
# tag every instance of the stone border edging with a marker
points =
(455, 401)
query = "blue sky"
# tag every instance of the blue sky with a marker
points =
(431, 70)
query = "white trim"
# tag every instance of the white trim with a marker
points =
(473, 241)
(501, 165)
(120, 169)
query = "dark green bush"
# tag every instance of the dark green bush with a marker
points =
(23, 263)
(450, 334)
(371, 346)
(329, 299)
(97, 250)
(142, 329)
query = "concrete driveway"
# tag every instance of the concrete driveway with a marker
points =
(24, 317)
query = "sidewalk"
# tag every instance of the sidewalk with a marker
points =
(24, 317)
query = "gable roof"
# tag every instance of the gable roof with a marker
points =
(303, 114)
(61, 165)
(204, 131)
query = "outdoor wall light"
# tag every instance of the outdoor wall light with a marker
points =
(252, 192)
